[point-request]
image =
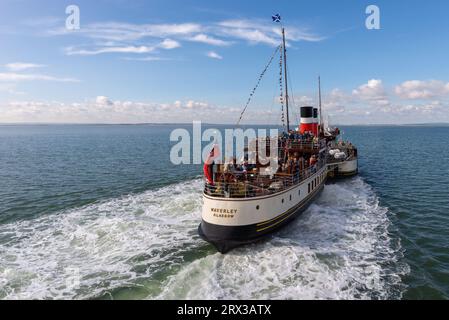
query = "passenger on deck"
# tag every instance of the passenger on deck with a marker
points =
(245, 167)
(290, 165)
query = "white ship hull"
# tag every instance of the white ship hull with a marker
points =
(229, 222)
(348, 168)
(344, 169)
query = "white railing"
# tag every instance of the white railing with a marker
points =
(249, 185)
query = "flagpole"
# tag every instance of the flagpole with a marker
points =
(285, 74)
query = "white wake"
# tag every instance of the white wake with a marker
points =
(146, 246)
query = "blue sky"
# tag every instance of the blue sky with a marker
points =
(178, 61)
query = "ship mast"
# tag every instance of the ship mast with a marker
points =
(319, 99)
(285, 75)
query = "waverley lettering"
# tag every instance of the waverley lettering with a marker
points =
(223, 213)
(226, 211)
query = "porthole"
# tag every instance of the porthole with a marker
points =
(257, 207)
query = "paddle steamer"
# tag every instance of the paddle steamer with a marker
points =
(244, 204)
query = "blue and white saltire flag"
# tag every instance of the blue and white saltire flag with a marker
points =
(276, 18)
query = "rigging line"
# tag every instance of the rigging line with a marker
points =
(257, 85)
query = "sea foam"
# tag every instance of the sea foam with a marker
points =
(146, 246)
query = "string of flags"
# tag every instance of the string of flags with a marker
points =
(281, 98)
(257, 85)
(276, 18)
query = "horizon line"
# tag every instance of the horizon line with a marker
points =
(208, 123)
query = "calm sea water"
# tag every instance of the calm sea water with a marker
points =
(99, 212)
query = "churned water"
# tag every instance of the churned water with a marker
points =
(99, 212)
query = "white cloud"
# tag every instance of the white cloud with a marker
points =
(17, 77)
(166, 44)
(253, 36)
(123, 32)
(128, 38)
(370, 103)
(256, 31)
(373, 90)
(104, 110)
(169, 44)
(103, 101)
(204, 38)
(416, 89)
(20, 66)
(214, 55)
(196, 105)
(149, 58)
(128, 49)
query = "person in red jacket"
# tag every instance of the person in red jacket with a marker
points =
(209, 165)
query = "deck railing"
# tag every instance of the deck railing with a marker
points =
(296, 144)
(251, 185)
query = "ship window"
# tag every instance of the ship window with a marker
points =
(290, 197)
(309, 187)
(299, 192)
(257, 207)
(282, 200)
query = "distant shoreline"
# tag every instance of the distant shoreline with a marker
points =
(215, 124)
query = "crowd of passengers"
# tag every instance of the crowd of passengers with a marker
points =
(296, 136)
(243, 179)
